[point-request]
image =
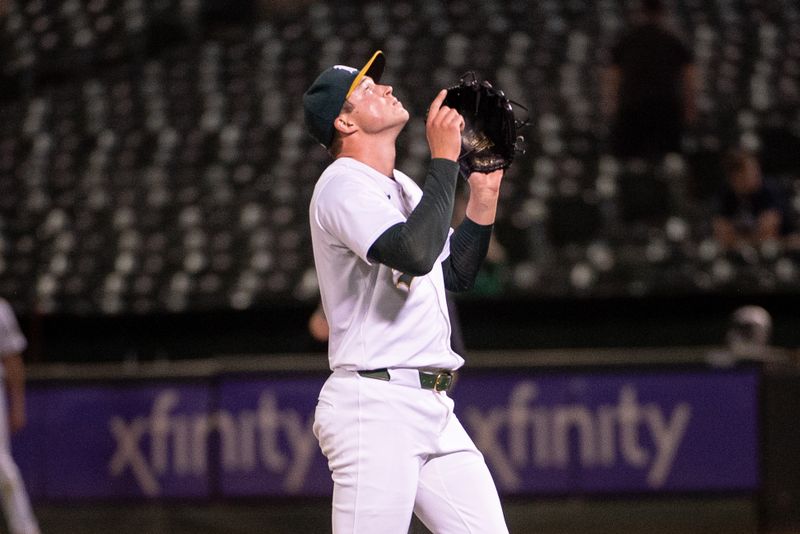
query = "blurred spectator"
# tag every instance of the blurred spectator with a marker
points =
(750, 331)
(318, 324)
(749, 208)
(748, 337)
(14, 498)
(649, 89)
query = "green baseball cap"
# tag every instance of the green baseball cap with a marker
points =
(324, 99)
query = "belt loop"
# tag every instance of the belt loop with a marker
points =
(377, 374)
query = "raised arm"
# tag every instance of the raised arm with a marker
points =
(470, 241)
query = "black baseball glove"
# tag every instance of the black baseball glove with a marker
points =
(489, 140)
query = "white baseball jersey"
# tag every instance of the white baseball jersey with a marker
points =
(374, 324)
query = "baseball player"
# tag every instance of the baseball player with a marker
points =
(384, 255)
(14, 498)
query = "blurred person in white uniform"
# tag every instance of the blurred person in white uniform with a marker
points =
(14, 498)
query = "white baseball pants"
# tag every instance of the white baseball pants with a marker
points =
(394, 449)
(13, 497)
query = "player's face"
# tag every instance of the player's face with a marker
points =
(375, 108)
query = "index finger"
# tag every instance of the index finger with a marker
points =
(437, 103)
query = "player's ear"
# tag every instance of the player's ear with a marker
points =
(344, 124)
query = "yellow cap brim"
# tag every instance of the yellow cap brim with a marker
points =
(373, 69)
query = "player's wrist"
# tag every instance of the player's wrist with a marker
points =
(483, 213)
(444, 155)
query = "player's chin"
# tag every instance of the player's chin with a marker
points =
(401, 115)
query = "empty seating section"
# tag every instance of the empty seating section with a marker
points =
(143, 172)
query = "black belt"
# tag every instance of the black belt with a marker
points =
(437, 381)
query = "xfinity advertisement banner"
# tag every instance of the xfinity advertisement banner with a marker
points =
(125, 441)
(607, 433)
(251, 436)
(267, 446)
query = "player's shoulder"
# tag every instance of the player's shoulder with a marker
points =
(343, 175)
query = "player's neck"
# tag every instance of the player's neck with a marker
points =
(379, 156)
